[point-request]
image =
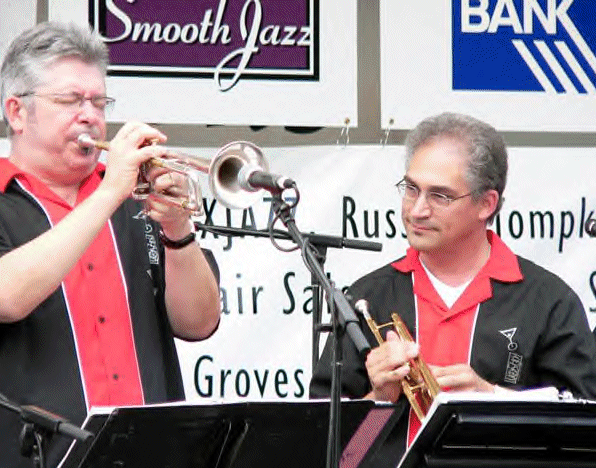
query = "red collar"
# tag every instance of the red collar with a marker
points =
(502, 264)
(8, 172)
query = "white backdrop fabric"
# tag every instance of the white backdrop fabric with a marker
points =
(17, 15)
(262, 349)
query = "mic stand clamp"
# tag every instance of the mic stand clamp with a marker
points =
(33, 441)
(343, 319)
(39, 426)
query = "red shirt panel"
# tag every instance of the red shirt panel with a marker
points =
(96, 297)
(445, 334)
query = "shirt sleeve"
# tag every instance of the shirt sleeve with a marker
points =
(567, 349)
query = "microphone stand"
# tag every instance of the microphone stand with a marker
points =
(319, 241)
(38, 427)
(343, 319)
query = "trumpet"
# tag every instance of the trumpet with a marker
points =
(222, 170)
(419, 386)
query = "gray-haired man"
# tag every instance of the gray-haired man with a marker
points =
(90, 296)
(484, 319)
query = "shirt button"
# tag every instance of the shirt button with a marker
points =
(90, 266)
(101, 319)
(115, 376)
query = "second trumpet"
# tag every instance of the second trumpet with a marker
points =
(222, 170)
(419, 386)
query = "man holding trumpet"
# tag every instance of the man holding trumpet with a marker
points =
(92, 291)
(483, 319)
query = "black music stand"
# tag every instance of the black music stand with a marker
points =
(500, 434)
(238, 435)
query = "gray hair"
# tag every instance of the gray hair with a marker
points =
(38, 47)
(487, 162)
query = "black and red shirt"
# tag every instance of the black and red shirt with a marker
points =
(40, 358)
(96, 298)
(516, 324)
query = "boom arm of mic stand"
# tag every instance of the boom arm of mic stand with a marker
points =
(322, 240)
(45, 420)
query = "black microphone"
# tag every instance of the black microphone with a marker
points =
(52, 422)
(590, 227)
(252, 178)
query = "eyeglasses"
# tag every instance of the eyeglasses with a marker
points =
(75, 100)
(435, 200)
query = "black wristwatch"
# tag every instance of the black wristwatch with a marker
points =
(176, 244)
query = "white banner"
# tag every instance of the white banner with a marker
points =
(520, 65)
(17, 15)
(249, 62)
(263, 347)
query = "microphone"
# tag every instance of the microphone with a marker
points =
(590, 227)
(252, 178)
(53, 423)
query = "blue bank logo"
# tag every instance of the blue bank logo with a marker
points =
(524, 45)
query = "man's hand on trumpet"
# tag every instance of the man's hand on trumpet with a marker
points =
(387, 365)
(460, 377)
(173, 218)
(128, 150)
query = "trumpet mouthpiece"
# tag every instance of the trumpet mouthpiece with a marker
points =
(361, 306)
(85, 140)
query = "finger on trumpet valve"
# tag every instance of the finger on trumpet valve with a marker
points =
(223, 171)
(419, 382)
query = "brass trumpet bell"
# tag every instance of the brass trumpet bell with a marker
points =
(225, 168)
(419, 386)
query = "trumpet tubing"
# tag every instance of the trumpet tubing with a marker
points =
(419, 386)
(222, 170)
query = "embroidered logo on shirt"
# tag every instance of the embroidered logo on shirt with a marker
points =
(515, 360)
(150, 238)
(514, 365)
(151, 245)
(509, 333)
(140, 215)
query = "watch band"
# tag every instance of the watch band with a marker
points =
(176, 244)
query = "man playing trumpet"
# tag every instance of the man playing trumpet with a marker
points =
(483, 319)
(92, 291)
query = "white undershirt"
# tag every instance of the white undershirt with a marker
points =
(449, 294)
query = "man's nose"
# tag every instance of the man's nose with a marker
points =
(420, 206)
(89, 113)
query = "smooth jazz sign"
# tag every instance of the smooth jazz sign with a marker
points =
(236, 62)
(489, 57)
(215, 38)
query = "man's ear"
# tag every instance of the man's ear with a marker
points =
(489, 203)
(16, 113)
